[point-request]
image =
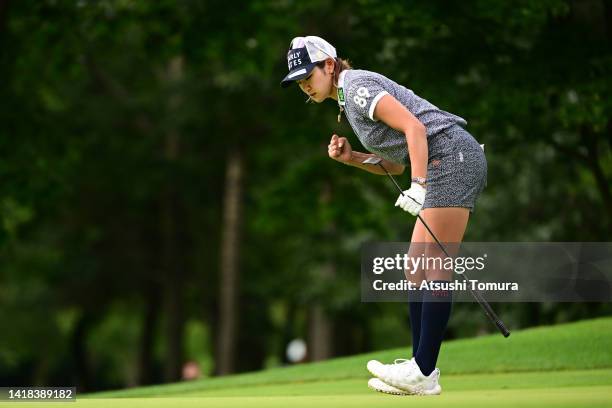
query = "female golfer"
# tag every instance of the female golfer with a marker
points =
(448, 170)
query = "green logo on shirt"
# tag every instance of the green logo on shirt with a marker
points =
(341, 95)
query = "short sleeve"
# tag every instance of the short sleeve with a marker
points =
(363, 95)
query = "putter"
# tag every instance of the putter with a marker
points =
(477, 296)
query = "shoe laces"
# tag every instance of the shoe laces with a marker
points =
(403, 367)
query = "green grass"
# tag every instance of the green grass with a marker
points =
(566, 365)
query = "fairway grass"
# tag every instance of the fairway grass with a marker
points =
(562, 366)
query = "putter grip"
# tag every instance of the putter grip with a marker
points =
(502, 328)
(492, 316)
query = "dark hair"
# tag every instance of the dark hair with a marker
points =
(339, 66)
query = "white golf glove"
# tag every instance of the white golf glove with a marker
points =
(412, 199)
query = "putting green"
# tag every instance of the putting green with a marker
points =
(575, 388)
(566, 365)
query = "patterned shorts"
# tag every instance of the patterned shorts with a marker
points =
(456, 169)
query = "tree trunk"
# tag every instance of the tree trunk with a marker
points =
(173, 273)
(288, 331)
(230, 255)
(319, 334)
(608, 19)
(3, 13)
(79, 350)
(174, 269)
(591, 14)
(320, 330)
(151, 316)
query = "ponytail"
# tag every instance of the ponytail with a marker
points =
(339, 66)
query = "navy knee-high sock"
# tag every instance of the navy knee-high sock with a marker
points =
(435, 315)
(416, 309)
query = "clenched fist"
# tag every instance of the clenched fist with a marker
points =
(340, 149)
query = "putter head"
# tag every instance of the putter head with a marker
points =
(372, 160)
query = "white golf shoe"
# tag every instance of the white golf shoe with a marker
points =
(406, 376)
(378, 385)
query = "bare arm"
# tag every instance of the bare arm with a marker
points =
(395, 115)
(357, 159)
(340, 150)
